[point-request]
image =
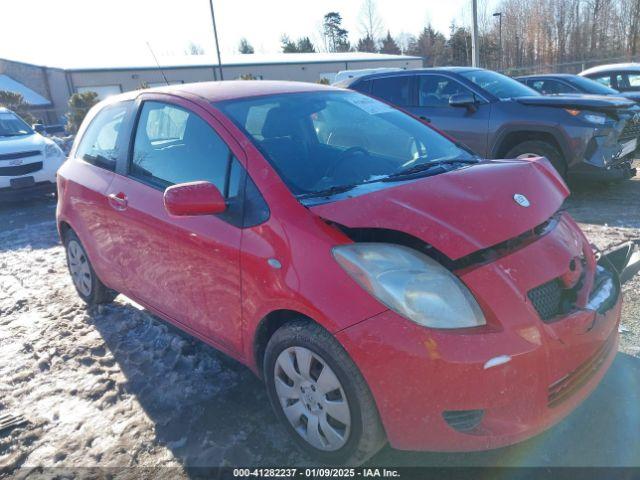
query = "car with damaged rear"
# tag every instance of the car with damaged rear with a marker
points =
(386, 283)
(590, 137)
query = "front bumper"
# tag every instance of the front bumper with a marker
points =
(521, 373)
(10, 194)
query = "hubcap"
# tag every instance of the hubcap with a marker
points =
(312, 398)
(79, 267)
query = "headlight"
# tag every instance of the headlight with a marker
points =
(593, 118)
(411, 284)
(589, 117)
(51, 150)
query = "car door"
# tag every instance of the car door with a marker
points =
(467, 125)
(187, 267)
(85, 179)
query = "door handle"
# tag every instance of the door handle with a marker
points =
(118, 201)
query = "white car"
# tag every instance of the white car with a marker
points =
(28, 161)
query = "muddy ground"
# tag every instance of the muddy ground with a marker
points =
(116, 386)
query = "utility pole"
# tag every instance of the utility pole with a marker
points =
(215, 35)
(499, 15)
(475, 62)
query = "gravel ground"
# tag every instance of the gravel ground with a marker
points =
(117, 387)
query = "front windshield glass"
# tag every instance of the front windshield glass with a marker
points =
(499, 85)
(323, 140)
(12, 126)
(591, 86)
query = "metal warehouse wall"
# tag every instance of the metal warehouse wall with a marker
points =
(310, 72)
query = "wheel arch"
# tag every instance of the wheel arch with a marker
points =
(509, 138)
(269, 324)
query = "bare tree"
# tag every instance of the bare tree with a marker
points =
(370, 22)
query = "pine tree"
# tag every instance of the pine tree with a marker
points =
(389, 45)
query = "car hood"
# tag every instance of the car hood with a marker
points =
(635, 96)
(577, 101)
(23, 143)
(461, 211)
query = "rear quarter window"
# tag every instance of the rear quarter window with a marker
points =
(395, 90)
(100, 144)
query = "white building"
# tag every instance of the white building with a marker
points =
(56, 83)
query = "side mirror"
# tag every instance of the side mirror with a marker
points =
(38, 127)
(465, 100)
(194, 198)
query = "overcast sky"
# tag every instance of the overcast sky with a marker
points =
(66, 31)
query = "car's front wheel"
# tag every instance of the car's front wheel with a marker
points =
(539, 148)
(319, 394)
(85, 280)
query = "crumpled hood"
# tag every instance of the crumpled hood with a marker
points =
(24, 143)
(461, 211)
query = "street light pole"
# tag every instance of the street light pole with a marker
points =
(215, 35)
(475, 62)
(499, 15)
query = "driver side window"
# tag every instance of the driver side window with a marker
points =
(435, 90)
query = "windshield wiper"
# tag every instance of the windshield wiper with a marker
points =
(427, 166)
(327, 192)
(17, 134)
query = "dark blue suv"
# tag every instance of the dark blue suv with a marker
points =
(499, 117)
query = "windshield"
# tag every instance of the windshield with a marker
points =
(11, 125)
(591, 86)
(499, 85)
(324, 140)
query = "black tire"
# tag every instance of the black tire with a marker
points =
(92, 290)
(366, 435)
(540, 148)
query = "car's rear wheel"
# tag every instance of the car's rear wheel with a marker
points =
(85, 280)
(539, 148)
(319, 394)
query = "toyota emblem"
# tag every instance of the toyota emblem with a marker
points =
(521, 200)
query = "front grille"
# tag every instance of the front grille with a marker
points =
(547, 299)
(20, 169)
(13, 156)
(630, 131)
(463, 420)
(570, 383)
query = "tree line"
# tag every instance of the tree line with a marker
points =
(561, 35)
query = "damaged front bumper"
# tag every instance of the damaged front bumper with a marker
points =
(502, 383)
(608, 155)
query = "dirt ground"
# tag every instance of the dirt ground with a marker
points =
(116, 386)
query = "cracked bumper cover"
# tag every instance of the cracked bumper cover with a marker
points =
(511, 369)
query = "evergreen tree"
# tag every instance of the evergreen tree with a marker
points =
(336, 37)
(245, 47)
(389, 45)
(366, 44)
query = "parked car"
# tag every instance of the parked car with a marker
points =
(386, 283)
(498, 117)
(347, 74)
(28, 161)
(624, 77)
(564, 83)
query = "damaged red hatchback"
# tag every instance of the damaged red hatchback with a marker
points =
(386, 283)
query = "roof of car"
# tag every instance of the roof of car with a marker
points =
(612, 67)
(350, 81)
(232, 89)
(547, 75)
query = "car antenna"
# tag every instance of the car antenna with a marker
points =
(158, 64)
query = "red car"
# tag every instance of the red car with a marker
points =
(385, 283)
